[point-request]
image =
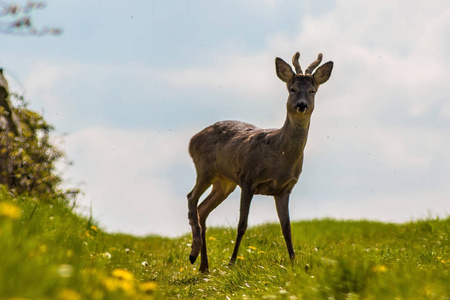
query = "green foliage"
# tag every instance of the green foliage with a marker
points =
(29, 161)
(50, 253)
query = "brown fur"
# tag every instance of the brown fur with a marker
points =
(260, 161)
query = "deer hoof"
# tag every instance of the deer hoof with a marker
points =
(196, 245)
(192, 258)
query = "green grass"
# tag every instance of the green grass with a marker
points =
(47, 252)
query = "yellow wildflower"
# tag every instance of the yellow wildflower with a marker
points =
(94, 228)
(379, 269)
(148, 287)
(9, 210)
(240, 257)
(127, 286)
(261, 252)
(43, 248)
(251, 247)
(68, 294)
(122, 274)
(211, 238)
(113, 284)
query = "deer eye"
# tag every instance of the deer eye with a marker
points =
(293, 90)
(312, 92)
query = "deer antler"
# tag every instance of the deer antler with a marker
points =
(296, 64)
(314, 65)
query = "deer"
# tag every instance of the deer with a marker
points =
(261, 161)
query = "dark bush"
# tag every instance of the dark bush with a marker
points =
(27, 156)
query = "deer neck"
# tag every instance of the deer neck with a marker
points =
(292, 138)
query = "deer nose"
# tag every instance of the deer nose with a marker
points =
(301, 107)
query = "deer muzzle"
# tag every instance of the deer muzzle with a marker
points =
(301, 107)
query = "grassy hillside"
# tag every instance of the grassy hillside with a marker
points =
(47, 252)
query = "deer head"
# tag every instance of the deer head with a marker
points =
(302, 87)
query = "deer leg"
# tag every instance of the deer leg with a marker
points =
(282, 204)
(193, 196)
(246, 199)
(219, 193)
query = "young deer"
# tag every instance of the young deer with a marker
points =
(260, 161)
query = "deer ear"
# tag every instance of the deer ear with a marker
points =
(284, 71)
(323, 73)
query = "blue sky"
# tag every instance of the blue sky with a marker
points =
(129, 84)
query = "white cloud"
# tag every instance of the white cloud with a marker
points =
(42, 81)
(387, 207)
(444, 113)
(126, 180)
(413, 148)
(373, 118)
(381, 50)
(253, 76)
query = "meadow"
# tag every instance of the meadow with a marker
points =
(48, 252)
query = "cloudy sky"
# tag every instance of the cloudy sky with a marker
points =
(131, 82)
